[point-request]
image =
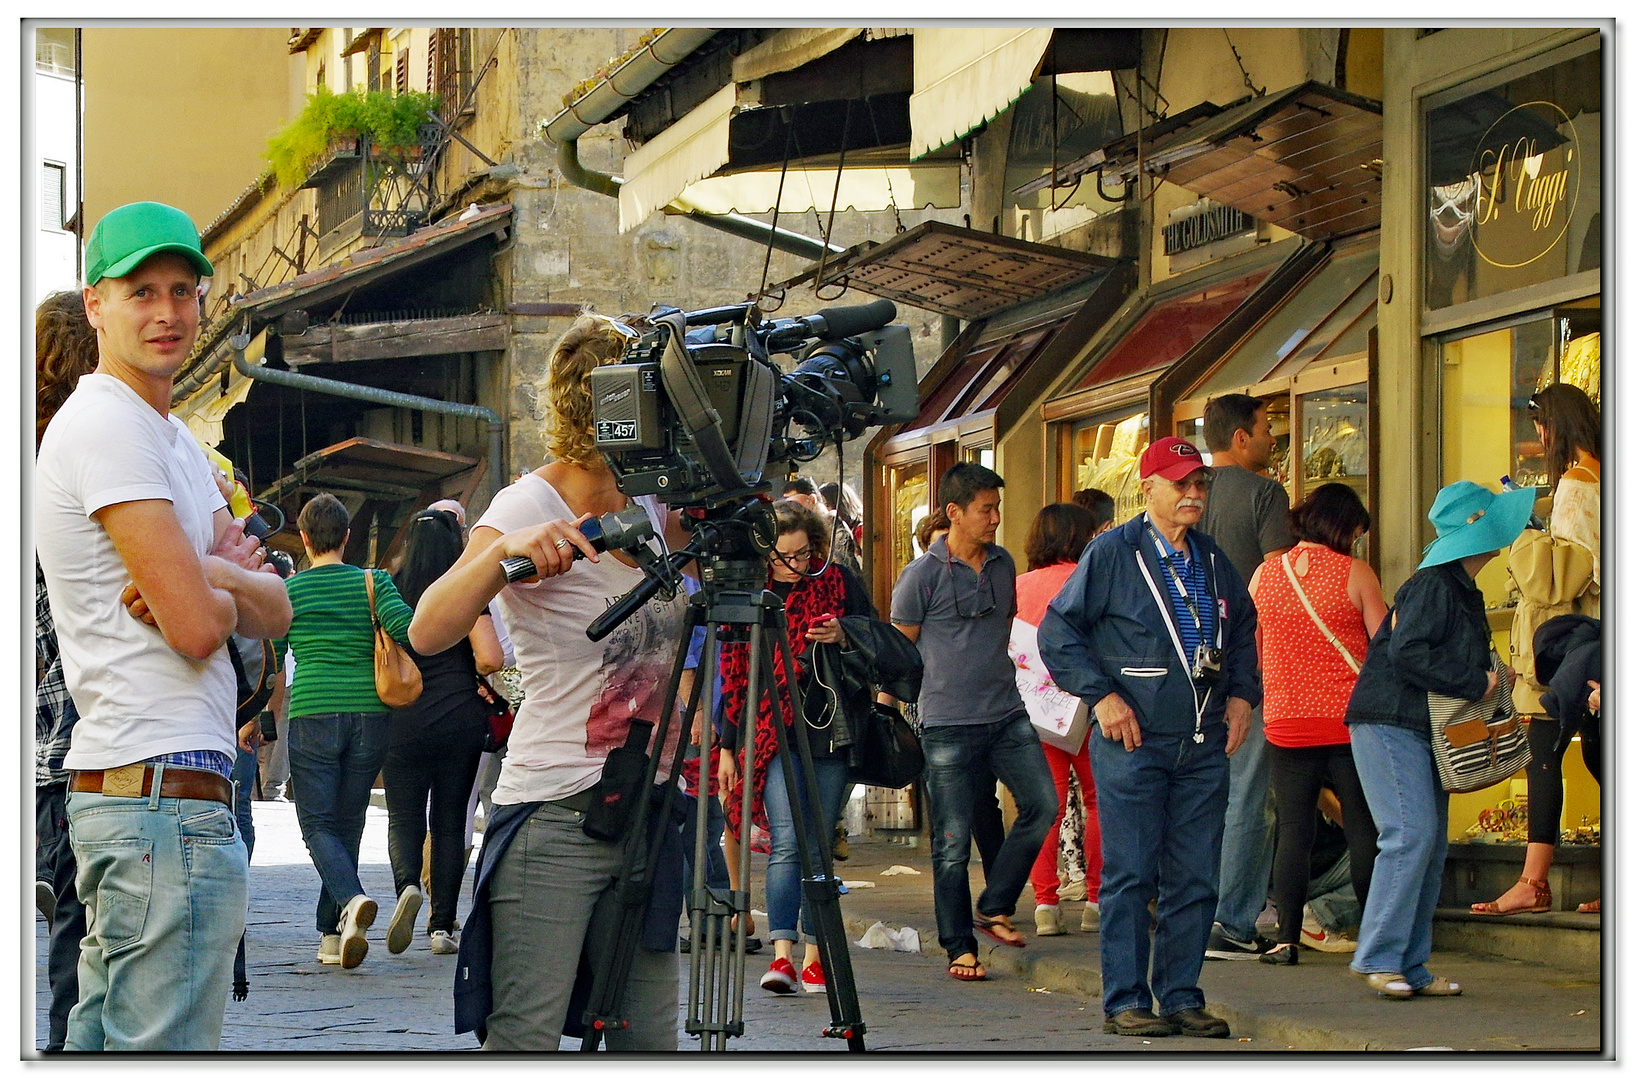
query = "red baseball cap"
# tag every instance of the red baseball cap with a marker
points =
(1170, 458)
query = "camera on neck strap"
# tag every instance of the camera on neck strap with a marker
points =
(1206, 665)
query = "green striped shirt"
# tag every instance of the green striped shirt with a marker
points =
(334, 641)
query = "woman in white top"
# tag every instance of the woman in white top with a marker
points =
(1570, 428)
(580, 698)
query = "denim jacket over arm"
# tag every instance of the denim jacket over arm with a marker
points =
(1435, 638)
(1105, 634)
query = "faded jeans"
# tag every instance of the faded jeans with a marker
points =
(1247, 836)
(784, 892)
(1011, 750)
(334, 759)
(165, 884)
(1411, 810)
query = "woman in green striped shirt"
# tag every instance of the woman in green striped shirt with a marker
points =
(337, 725)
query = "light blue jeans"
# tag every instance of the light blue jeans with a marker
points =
(1411, 810)
(1247, 837)
(784, 893)
(165, 884)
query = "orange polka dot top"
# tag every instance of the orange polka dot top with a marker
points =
(1305, 680)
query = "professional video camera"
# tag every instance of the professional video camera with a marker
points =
(696, 417)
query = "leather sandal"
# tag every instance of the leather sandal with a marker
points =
(998, 928)
(1439, 987)
(1389, 984)
(1591, 907)
(1542, 901)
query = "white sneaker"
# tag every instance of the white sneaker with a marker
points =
(1092, 919)
(1073, 890)
(1314, 936)
(401, 930)
(1048, 921)
(356, 917)
(445, 943)
(329, 949)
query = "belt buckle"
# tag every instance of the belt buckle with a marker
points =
(124, 782)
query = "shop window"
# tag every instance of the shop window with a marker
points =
(1514, 181)
(1488, 378)
(910, 500)
(1105, 456)
(1334, 443)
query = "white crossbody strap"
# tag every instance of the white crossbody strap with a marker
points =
(1176, 640)
(1301, 595)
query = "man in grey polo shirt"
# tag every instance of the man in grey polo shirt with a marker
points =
(956, 603)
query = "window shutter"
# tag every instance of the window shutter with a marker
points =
(52, 184)
(403, 70)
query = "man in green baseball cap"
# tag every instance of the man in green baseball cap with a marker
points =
(143, 265)
(129, 235)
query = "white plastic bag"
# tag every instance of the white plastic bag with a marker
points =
(881, 936)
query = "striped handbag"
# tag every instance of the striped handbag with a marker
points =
(1477, 743)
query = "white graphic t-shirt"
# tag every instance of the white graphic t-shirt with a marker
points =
(579, 695)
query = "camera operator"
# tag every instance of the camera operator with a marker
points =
(540, 875)
(1156, 631)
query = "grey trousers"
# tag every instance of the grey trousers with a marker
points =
(541, 898)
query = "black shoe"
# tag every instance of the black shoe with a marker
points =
(1287, 955)
(1138, 1022)
(1199, 1024)
(1222, 947)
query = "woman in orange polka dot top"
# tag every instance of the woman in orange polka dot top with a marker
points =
(1317, 608)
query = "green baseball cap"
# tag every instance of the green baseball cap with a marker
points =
(130, 234)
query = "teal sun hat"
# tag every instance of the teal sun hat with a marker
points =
(1472, 520)
(131, 234)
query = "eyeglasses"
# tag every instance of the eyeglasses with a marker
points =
(982, 580)
(1533, 402)
(1202, 484)
(788, 557)
(622, 329)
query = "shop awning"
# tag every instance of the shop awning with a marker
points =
(1327, 318)
(957, 271)
(679, 167)
(1169, 328)
(966, 76)
(379, 470)
(1307, 159)
(789, 49)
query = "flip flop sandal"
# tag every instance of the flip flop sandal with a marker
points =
(995, 928)
(972, 972)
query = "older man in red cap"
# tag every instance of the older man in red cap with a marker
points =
(1155, 630)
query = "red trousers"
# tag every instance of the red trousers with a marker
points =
(1044, 875)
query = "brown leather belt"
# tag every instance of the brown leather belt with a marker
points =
(136, 781)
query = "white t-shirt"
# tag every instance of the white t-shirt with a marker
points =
(137, 697)
(579, 696)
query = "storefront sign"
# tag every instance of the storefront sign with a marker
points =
(1525, 192)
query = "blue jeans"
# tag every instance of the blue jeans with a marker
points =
(244, 775)
(55, 864)
(784, 893)
(715, 860)
(1247, 836)
(1011, 751)
(1161, 807)
(1411, 810)
(334, 759)
(1333, 901)
(165, 884)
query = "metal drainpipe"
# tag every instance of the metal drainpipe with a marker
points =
(296, 380)
(630, 79)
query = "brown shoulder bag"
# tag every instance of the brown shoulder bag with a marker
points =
(397, 679)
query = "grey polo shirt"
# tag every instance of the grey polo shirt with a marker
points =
(965, 626)
(1247, 516)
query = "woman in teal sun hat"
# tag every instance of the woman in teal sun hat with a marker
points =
(1436, 639)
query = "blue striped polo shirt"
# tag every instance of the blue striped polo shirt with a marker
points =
(1190, 569)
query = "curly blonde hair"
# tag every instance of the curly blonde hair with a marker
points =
(592, 341)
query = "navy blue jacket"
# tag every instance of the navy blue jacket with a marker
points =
(1105, 634)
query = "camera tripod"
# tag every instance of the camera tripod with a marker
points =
(732, 596)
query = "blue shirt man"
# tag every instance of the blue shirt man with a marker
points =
(1163, 648)
(956, 602)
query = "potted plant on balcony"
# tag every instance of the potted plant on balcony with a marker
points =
(328, 128)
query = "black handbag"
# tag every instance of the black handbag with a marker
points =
(885, 752)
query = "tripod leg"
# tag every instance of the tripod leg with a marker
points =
(819, 883)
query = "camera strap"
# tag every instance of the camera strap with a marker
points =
(1168, 615)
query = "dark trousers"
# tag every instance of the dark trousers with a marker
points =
(1010, 750)
(715, 860)
(1298, 773)
(1162, 807)
(334, 759)
(987, 822)
(54, 863)
(1545, 775)
(443, 765)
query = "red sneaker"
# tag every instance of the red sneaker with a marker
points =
(812, 978)
(781, 978)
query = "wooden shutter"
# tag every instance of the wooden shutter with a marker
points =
(402, 79)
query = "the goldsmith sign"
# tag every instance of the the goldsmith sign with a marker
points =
(1527, 184)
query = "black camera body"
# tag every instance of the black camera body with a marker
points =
(1207, 661)
(696, 417)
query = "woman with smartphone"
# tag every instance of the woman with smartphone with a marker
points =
(816, 593)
